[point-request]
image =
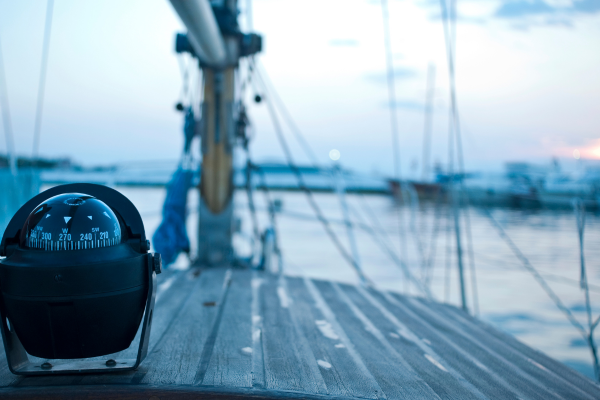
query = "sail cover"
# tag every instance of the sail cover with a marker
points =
(171, 237)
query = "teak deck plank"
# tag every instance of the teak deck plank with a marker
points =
(537, 371)
(415, 352)
(493, 360)
(572, 377)
(288, 366)
(179, 355)
(234, 333)
(343, 377)
(491, 385)
(386, 365)
(173, 291)
(231, 362)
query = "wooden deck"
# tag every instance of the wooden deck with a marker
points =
(231, 333)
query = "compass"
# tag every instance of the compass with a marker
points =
(71, 221)
(78, 281)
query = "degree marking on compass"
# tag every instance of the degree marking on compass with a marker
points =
(107, 215)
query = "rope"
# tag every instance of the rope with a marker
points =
(42, 86)
(6, 120)
(249, 193)
(306, 190)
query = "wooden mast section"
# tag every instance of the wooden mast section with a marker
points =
(215, 39)
(216, 187)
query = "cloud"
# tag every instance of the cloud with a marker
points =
(523, 14)
(523, 8)
(586, 6)
(514, 9)
(343, 42)
(399, 73)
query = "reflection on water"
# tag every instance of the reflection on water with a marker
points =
(508, 296)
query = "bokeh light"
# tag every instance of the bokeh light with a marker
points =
(334, 154)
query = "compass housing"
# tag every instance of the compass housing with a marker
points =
(82, 294)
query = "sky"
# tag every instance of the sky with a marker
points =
(527, 80)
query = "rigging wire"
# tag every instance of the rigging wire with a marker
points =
(579, 208)
(375, 233)
(391, 87)
(311, 200)
(341, 192)
(42, 84)
(6, 120)
(308, 151)
(449, 25)
(471, 256)
(184, 69)
(393, 117)
(306, 146)
(429, 98)
(417, 233)
(433, 241)
(509, 266)
(537, 276)
(272, 217)
(447, 269)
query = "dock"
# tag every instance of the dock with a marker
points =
(237, 333)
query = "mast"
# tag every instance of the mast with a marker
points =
(215, 39)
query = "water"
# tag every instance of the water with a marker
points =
(509, 298)
(14, 191)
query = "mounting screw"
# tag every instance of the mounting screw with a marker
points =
(46, 365)
(58, 277)
(157, 263)
(111, 363)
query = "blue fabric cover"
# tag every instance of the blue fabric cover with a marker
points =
(171, 236)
